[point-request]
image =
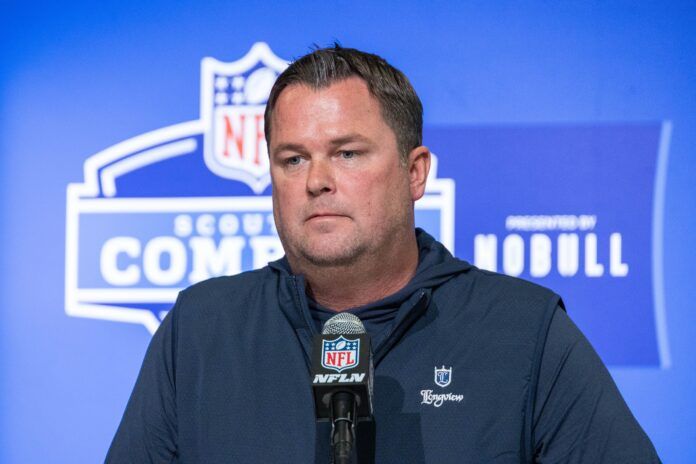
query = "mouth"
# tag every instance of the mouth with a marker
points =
(323, 215)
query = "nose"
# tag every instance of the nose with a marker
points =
(320, 178)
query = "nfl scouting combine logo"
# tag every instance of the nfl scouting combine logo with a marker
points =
(169, 208)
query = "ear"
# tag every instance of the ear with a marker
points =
(418, 168)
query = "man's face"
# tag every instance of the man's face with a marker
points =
(339, 188)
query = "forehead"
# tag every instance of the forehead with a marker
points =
(342, 106)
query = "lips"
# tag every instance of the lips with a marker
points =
(324, 215)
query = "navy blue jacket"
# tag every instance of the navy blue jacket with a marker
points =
(226, 378)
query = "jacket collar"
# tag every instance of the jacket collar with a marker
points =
(436, 266)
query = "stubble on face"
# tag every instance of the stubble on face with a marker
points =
(340, 254)
(350, 248)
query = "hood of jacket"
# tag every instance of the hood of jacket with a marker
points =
(436, 265)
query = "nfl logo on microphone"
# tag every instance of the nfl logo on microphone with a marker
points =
(340, 354)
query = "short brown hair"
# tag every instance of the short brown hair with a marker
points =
(401, 108)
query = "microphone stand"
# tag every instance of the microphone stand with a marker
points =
(343, 423)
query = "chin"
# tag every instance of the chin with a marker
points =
(331, 253)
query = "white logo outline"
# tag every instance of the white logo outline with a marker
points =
(443, 376)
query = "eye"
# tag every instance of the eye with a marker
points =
(293, 160)
(348, 154)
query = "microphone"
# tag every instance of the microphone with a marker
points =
(342, 375)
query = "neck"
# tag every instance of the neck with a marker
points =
(369, 279)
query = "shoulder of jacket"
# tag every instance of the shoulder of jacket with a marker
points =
(508, 285)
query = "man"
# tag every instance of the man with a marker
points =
(226, 378)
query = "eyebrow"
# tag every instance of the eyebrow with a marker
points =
(350, 138)
(289, 147)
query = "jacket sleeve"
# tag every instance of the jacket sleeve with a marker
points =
(148, 429)
(579, 414)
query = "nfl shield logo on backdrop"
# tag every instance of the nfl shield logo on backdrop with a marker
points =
(233, 100)
(340, 354)
(443, 376)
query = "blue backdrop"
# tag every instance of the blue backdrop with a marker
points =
(574, 120)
